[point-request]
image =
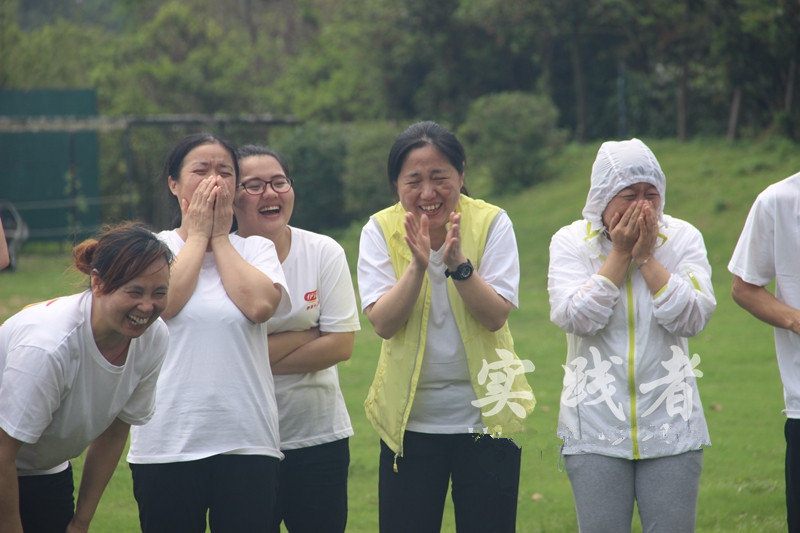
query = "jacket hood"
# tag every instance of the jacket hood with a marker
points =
(620, 164)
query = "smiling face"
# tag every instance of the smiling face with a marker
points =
(266, 214)
(630, 195)
(205, 160)
(428, 184)
(129, 310)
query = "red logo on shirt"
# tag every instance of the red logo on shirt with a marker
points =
(310, 296)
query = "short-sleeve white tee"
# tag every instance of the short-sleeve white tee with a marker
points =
(769, 248)
(57, 391)
(215, 393)
(444, 394)
(311, 406)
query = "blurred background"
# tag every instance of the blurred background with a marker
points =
(93, 93)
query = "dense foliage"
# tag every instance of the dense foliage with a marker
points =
(662, 67)
(611, 68)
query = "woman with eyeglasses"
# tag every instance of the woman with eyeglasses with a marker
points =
(305, 344)
(212, 448)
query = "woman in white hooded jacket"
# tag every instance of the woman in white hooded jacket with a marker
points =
(628, 284)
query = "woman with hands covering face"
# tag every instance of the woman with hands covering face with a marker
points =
(629, 284)
(438, 274)
(212, 448)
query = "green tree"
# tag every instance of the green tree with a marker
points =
(514, 135)
(315, 156)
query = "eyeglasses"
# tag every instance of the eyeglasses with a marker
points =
(257, 186)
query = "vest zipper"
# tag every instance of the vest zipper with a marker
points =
(632, 362)
(399, 453)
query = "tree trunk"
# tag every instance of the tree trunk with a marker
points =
(580, 90)
(683, 90)
(787, 101)
(733, 117)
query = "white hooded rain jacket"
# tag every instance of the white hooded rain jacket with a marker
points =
(630, 387)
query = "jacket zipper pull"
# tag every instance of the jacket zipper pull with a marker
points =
(394, 466)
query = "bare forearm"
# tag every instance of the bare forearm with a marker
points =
(5, 259)
(9, 498)
(283, 343)
(184, 273)
(765, 306)
(483, 302)
(616, 267)
(251, 290)
(102, 458)
(654, 274)
(319, 354)
(392, 310)
(9, 486)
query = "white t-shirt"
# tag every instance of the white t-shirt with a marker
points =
(444, 394)
(57, 391)
(215, 392)
(311, 406)
(769, 248)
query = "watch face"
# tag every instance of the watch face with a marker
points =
(464, 271)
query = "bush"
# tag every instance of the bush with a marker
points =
(315, 155)
(513, 135)
(366, 184)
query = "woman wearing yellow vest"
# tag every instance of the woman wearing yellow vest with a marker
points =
(438, 274)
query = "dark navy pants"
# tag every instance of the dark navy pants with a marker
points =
(485, 483)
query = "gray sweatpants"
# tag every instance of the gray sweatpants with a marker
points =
(665, 490)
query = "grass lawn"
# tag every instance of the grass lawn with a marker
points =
(709, 183)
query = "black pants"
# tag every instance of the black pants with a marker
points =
(792, 432)
(238, 492)
(46, 504)
(312, 492)
(485, 478)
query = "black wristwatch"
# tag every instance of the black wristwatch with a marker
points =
(462, 271)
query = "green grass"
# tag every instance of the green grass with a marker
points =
(711, 184)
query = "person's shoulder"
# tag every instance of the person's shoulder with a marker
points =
(253, 242)
(580, 227)
(61, 306)
(156, 335)
(312, 243)
(169, 236)
(467, 202)
(46, 324)
(786, 189)
(671, 224)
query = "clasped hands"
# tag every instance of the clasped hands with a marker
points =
(419, 241)
(209, 212)
(634, 233)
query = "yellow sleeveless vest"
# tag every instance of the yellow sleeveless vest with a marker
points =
(498, 376)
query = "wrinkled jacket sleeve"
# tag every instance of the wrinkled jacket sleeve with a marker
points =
(581, 301)
(685, 305)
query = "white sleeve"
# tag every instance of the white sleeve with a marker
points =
(338, 311)
(753, 258)
(260, 252)
(141, 405)
(376, 274)
(686, 303)
(500, 262)
(581, 301)
(30, 392)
